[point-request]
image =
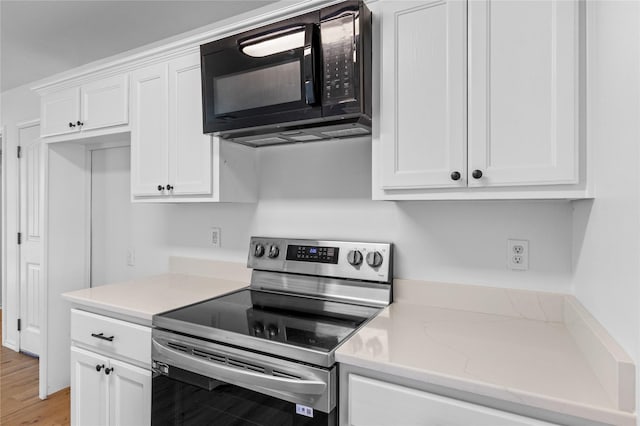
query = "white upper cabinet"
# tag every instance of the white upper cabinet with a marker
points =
(423, 109)
(189, 148)
(523, 86)
(105, 103)
(478, 99)
(149, 130)
(98, 105)
(171, 159)
(59, 112)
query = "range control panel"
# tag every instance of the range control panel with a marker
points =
(340, 259)
(313, 254)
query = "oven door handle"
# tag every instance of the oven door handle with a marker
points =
(235, 375)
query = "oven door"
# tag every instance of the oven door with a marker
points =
(199, 382)
(262, 77)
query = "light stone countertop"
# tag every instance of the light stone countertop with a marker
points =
(537, 349)
(527, 361)
(141, 298)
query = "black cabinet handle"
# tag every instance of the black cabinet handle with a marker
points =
(160, 188)
(80, 123)
(102, 337)
(477, 174)
(99, 367)
(108, 370)
(71, 124)
(455, 176)
(169, 188)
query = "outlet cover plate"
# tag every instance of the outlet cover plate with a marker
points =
(518, 255)
(216, 234)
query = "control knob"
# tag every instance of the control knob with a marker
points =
(259, 250)
(274, 251)
(272, 331)
(354, 257)
(258, 328)
(374, 259)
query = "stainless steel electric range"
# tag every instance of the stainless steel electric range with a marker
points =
(265, 355)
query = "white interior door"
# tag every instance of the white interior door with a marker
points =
(31, 221)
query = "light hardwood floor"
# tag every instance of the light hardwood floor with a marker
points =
(19, 402)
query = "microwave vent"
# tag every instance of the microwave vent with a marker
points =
(269, 141)
(305, 138)
(341, 133)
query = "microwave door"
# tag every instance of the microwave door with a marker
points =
(261, 79)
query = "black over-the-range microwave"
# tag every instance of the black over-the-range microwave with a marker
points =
(302, 79)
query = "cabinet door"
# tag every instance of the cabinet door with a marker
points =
(59, 112)
(129, 395)
(149, 134)
(189, 148)
(89, 388)
(105, 103)
(423, 93)
(523, 86)
(373, 402)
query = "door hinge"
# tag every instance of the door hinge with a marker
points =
(19, 238)
(19, 151)
(19, 324)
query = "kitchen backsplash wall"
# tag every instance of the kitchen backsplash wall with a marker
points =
(322, 190)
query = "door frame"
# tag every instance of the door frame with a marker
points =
(3, 221)
(42, 385)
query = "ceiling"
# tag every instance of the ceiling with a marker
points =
(42, 38)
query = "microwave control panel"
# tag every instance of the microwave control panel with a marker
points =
(339, 59)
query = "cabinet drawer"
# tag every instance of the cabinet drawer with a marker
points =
(374, 402)
(130, 341)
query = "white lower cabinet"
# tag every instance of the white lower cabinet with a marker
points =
(89, 388)
(105, 391)
(106, 387)
(129, 395)
(372, 402)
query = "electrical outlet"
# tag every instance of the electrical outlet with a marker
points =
(216, 234)
(131, 256)
(518, 255)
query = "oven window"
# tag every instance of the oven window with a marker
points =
(274, 85)
(179, 403)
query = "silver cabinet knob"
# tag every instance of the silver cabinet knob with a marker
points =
(354, 257)
(274, 251)
(259, 250)
(374, 259)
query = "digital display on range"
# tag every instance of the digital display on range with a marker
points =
(312, 254)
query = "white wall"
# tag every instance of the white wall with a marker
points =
(322, 190)
(606, 241)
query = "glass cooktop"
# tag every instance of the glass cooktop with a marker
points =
(271, 317)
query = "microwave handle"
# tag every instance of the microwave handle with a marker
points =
(309, 64)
